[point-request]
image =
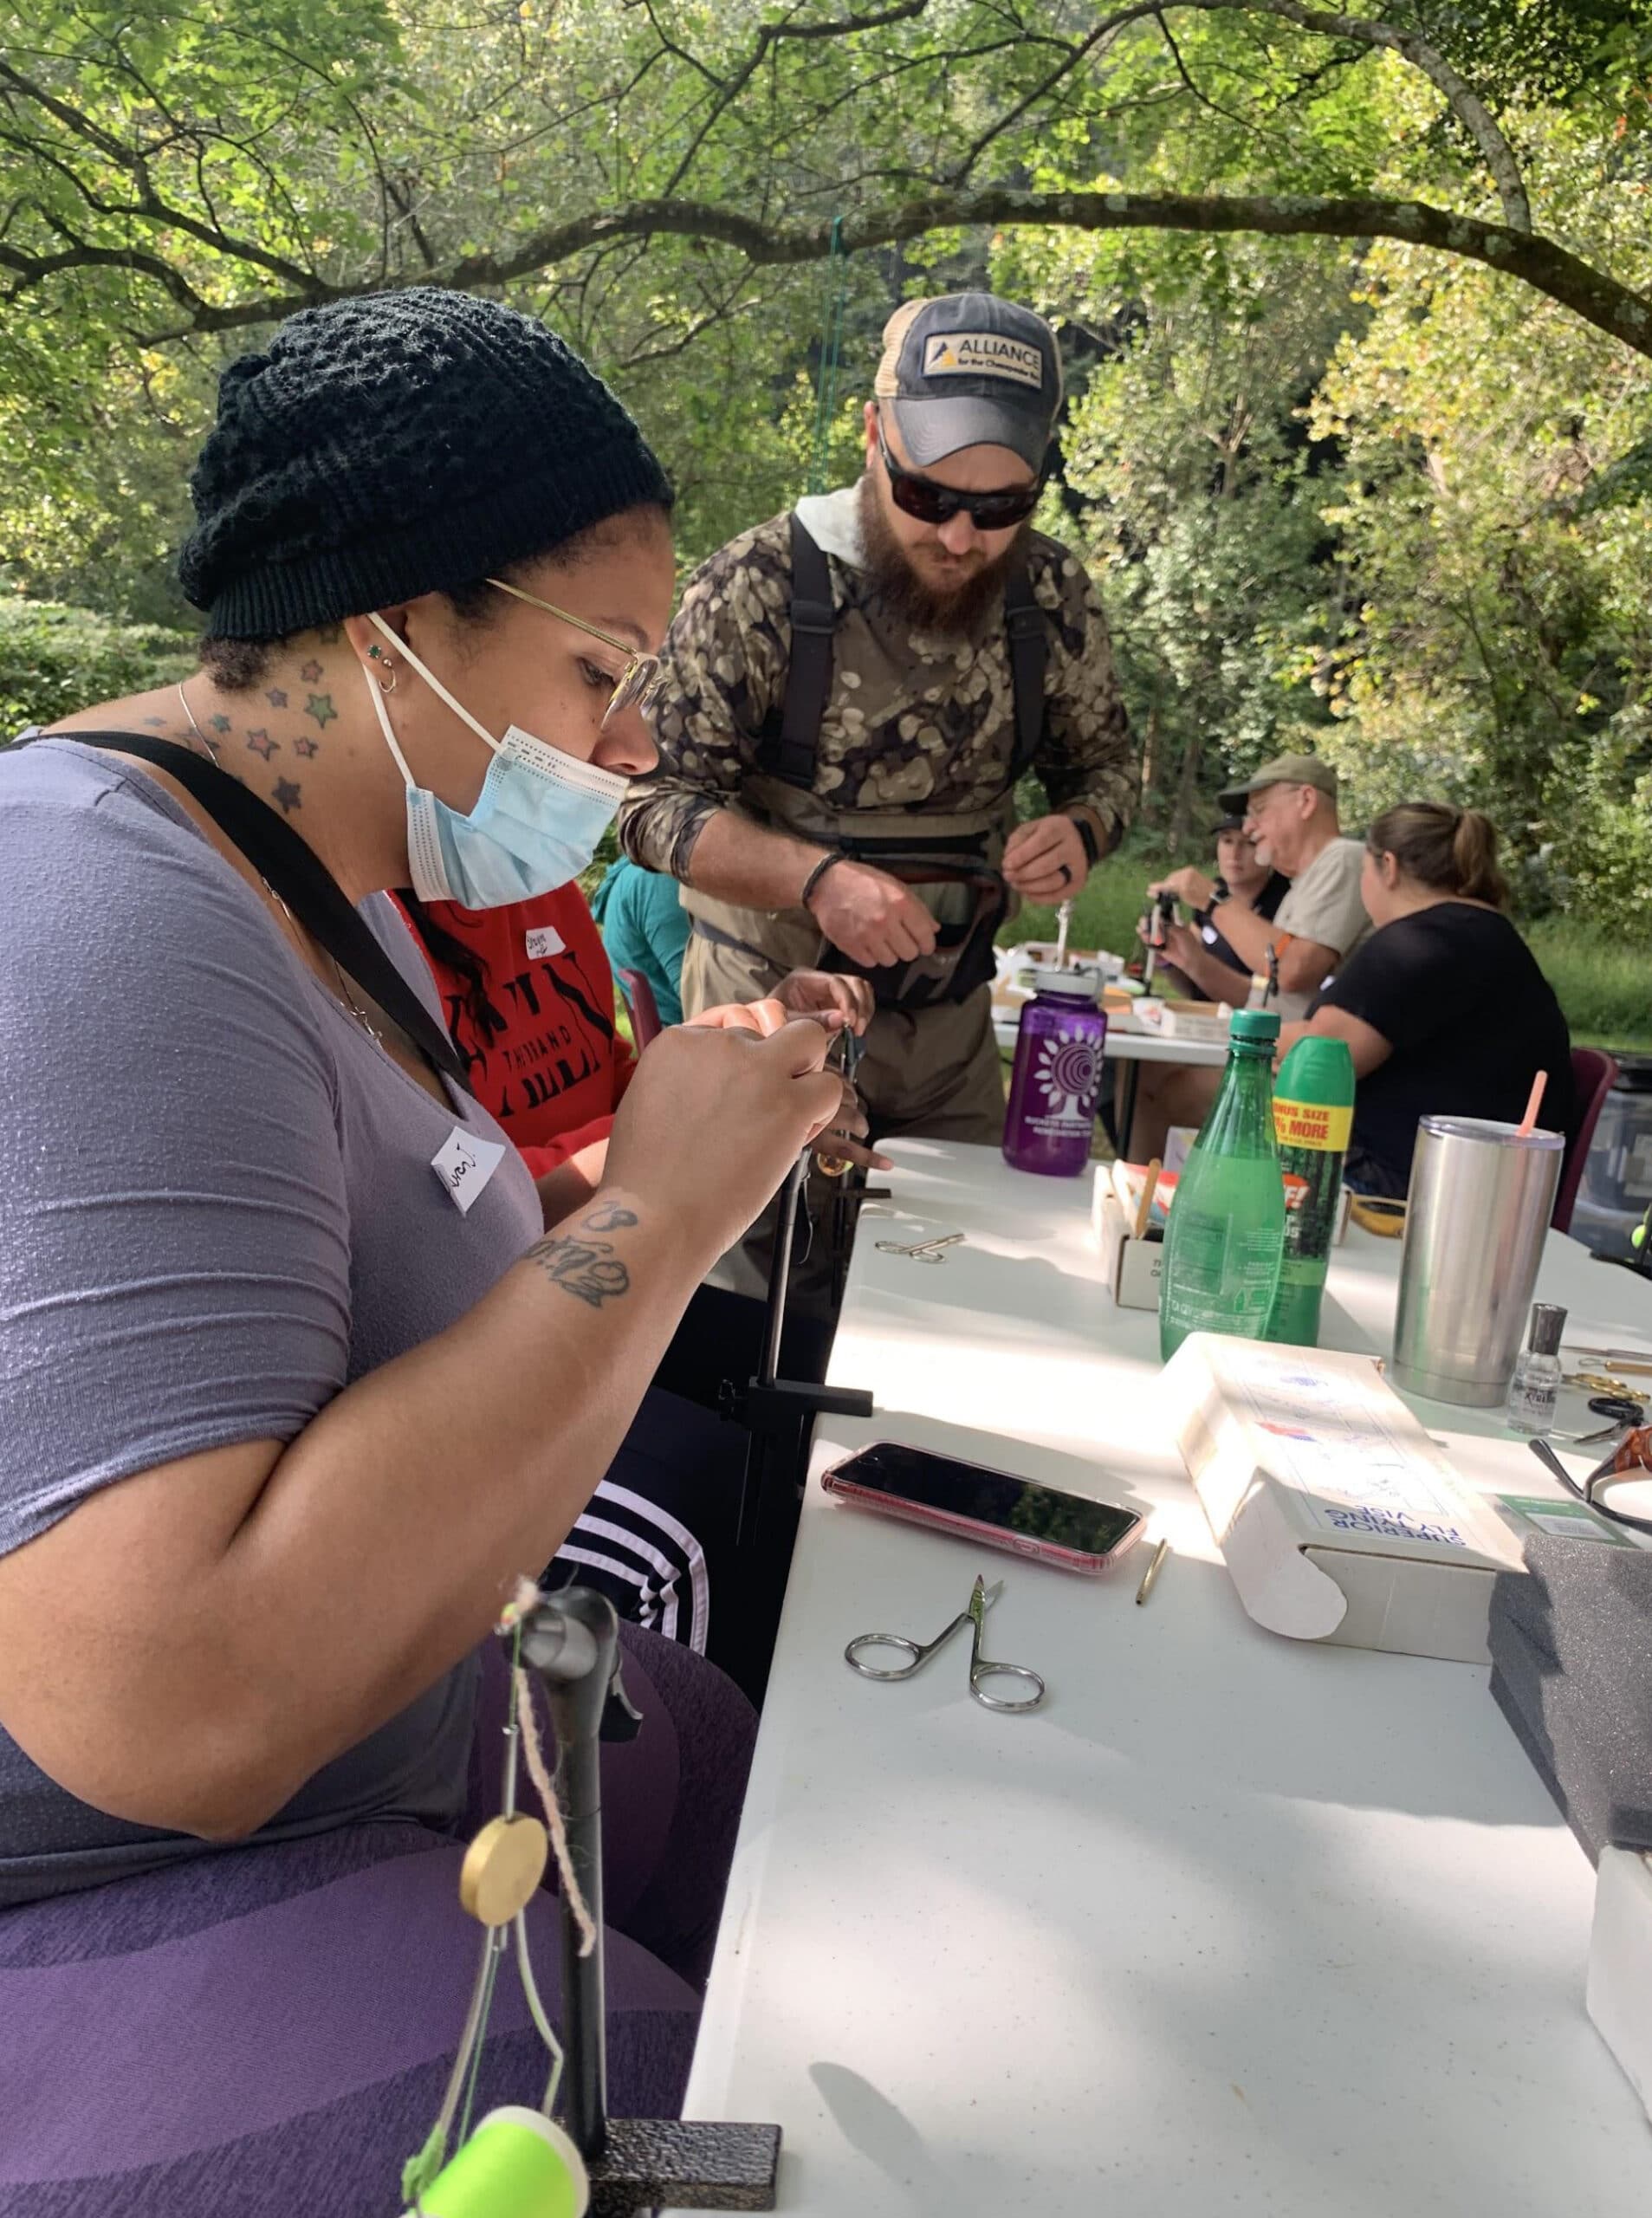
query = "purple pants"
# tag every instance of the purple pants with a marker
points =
(266, 2032)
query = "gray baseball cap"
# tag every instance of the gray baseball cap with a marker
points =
(970, 370)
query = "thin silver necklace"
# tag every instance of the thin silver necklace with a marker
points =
(344, 994)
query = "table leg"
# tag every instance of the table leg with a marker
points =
(1130, 1075)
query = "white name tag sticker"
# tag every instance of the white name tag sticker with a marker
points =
(545, 940)
(465, 1162)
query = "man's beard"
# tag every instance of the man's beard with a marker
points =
(912, 596)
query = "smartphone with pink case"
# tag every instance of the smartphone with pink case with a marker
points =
(989, 1508)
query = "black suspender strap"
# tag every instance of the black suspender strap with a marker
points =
(808, 680)
(1029, 655)
(292, 871)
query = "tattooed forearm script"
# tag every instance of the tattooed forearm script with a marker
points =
(586, 1268)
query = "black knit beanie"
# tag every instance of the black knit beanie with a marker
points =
(404, 444)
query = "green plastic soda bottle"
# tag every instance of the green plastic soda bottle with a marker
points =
(1226, 1230)
(1313, 1118)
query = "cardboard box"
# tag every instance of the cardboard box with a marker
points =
(1131, 1267)
(1206, 1021)
(1619, 1993)
(1339, 1518)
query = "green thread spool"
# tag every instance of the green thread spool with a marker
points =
(516, 2165)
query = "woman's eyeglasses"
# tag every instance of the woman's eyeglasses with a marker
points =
(637, 683)
(927, 503)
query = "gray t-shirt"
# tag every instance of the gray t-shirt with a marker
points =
(217, 1208)
(1323, 903)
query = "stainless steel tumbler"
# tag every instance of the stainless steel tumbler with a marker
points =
(1480, 1199)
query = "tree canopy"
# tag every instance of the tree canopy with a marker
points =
(1355, 304)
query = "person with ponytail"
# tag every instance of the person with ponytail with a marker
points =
(1443, 1007)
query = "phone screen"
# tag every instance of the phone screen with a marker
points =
(990, 1497)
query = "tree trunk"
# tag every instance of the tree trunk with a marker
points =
(1187, 794)
(1150, 748)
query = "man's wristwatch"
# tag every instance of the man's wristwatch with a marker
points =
(1087, 832)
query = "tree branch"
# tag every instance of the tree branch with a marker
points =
(1548, 268)
(1466, 104)
(770, 36)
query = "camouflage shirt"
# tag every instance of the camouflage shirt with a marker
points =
(915, 719)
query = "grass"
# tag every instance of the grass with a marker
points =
(1604, 985)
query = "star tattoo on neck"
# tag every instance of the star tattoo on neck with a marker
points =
(275, 698)
(311, 673)
(319, 705)
(260, 743)
(286, 796)
(305, 746)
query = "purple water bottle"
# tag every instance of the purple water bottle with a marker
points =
(1056, 1077)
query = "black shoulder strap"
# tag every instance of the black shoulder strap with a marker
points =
(809, 679)
(292, 869)
(1029, 655)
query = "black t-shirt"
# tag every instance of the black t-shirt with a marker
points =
(1266, 904)
(1458, 996)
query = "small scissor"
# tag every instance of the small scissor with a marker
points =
(922, 1251)
(919, 1654)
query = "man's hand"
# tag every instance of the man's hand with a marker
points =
(1189, 885)
(845, 1139)
(1044, 859)
(874, 918)
(1182, 948)
(825, 993)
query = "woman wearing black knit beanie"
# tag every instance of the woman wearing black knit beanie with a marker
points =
(294, 1381)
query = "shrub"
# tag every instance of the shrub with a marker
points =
(55, 659)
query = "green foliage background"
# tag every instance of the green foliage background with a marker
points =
(1362, 496)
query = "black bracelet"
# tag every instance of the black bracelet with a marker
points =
(818, 873)
(1087, 832)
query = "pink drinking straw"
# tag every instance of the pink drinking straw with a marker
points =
(1529, 1124)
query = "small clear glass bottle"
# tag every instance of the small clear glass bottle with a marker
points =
(1537, 1372)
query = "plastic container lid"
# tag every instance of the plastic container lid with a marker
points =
(1082, 981)
(1257, 1027)
(1318, 1070)
(1489, 1129)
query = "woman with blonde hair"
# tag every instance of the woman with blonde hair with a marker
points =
(1443, 1008)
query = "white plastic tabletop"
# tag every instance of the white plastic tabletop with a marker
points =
(1234, 1924)
(1122, 1046)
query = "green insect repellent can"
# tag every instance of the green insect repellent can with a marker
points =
(1314, 1116)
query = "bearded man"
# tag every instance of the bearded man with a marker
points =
(851, 694)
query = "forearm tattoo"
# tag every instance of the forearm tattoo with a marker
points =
(586, 1268)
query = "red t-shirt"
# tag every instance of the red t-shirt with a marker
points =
(550, 1066)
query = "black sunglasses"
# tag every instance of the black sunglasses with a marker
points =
(921, 498)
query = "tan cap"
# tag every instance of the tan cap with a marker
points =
(1283, 770)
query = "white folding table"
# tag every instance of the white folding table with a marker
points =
(1234, 1924)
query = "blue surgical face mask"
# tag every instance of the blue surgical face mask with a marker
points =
(536, 824)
